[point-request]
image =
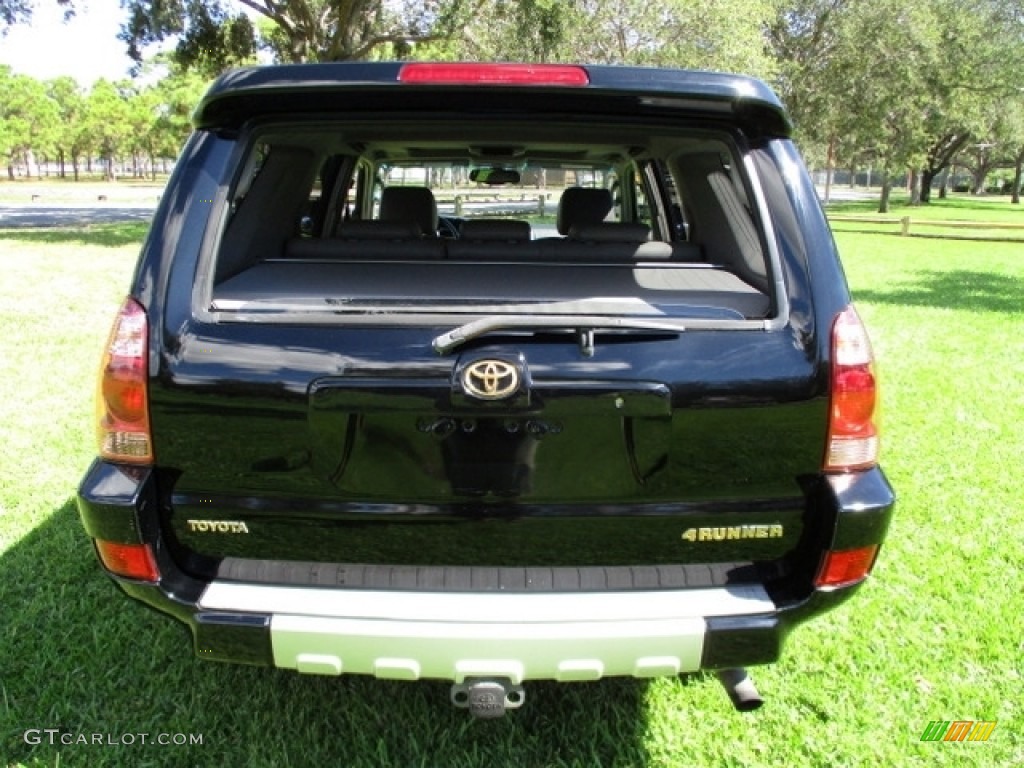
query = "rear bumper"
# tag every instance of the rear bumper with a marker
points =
(454, 636)
(390, 634)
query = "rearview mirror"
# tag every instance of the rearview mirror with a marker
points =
(494, 176)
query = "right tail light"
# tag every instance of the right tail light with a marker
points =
(852, 428)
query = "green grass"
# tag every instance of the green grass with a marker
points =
(935, 634)
(931, 221)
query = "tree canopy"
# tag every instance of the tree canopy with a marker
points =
(213, 34)
(870, 83)
(61, 122)
(20, 12)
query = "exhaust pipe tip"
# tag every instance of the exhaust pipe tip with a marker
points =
(741, 689)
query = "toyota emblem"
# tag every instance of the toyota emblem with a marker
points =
(490, 379)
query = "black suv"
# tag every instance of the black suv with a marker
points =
(489, 373)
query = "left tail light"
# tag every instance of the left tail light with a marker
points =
(132, 561)
(123, 398)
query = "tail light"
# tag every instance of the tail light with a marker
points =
(445, 73)
(852, 432)
(123, 399)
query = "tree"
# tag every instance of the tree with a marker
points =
(70, 139)
(28, 119)
(176, 95)
(20, 12)
(867, 76)
(216, 34)
(510, 30)
(805, 39)
(976, 74)
(1014, 138)
(705, 34)
(855, 73)
(107, 121)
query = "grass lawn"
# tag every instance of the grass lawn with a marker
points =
(937, 633)
(934, 221)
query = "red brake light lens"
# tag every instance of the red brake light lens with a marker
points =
(444, 73)
(846, 567)
(852, 433)
(123, 400)
(132, 561)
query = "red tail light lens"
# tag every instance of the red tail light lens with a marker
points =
(132, 561)
(845, 567)
(852, 433)
(444, 73)
(123, 400)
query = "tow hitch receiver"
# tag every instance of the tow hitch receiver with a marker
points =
(487, 697)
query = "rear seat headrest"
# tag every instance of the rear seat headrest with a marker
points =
(506, 230)
(611, 232)
(414, 205)
(582, 205)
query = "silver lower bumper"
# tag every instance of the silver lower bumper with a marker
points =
(455, 636)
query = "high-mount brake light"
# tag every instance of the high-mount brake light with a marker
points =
(123, 399)
(443, 73)
(852, 432)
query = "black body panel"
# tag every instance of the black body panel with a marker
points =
(325, 442)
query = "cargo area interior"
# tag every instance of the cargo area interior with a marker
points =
(560, 219)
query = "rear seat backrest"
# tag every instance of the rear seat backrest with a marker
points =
(605, 241)
(622, 242)
(507, 230)
(374, 240)
(611, 232)
(493, 240)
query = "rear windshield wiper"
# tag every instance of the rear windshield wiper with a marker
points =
(584, 325)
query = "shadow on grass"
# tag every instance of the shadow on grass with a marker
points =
(957, 289)
(105, 235)
(78, 656)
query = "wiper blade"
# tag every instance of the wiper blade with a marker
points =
(585, 325)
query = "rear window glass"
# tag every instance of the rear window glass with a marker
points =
(448, 219)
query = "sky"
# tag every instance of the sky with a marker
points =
(86, 48)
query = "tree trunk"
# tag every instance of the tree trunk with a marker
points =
(915, 186)
(1017, 168)
(940, 155)
(830, 164)
(927, 178)
(883, 201)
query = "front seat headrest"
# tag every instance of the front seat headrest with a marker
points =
(581, 206)
(410, 204)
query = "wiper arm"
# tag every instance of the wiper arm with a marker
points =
(585, 325)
